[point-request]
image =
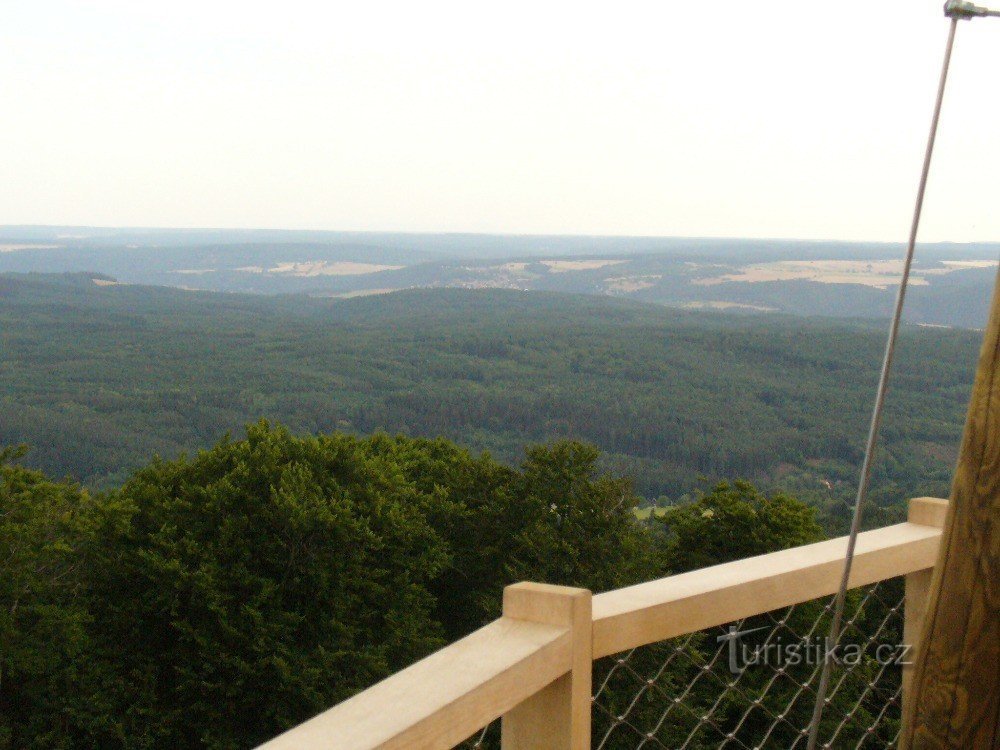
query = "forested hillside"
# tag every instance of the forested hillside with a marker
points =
(950, 286)
(215, 601)
(97, 378)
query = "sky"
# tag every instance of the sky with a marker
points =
(677, 118)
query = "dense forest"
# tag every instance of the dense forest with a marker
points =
(179, 572)
(214, 601)
(96, 379)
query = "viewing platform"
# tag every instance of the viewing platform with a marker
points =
(541, 668)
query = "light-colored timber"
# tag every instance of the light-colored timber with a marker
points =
(557, 717)
(445, 698)
(928, 511)
(680, 604)
(955, 690)
(533, 666)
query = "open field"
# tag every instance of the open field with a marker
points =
(562, 266)
(951, 283)
(879, 274)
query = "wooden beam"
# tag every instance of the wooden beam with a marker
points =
(445, 698)
(928, 511)
(680, 604)
(533, 666)
(955, 690)
(558, 717)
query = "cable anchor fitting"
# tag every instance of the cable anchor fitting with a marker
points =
(964, 10)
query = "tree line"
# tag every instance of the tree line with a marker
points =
(216, 599)
(97, 379)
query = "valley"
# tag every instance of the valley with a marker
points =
(950, 285)
(97, 377)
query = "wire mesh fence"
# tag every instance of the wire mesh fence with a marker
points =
(488, 738)
(753, 684)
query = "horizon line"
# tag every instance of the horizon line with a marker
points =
(457, 233)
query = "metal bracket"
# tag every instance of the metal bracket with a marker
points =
(963, 10)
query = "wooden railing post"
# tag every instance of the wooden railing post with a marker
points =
(558, 716)
(927, 511)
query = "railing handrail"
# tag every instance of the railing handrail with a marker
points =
(677, 605)
(444, 698)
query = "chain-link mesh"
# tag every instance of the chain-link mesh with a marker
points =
(683, 694)
(488, 738)
(753, 685)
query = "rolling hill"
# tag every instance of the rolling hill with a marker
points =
(951, 284)
(97, 377)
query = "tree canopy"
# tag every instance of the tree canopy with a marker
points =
(732, 522)
(214, 600)
(97, 379)
(218, 599)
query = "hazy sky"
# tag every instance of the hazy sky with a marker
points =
(720, 118)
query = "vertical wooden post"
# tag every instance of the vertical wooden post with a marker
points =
(557, 717)
(955, 688)
(927, 511)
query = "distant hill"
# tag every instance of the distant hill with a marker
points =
(951, 284)
(98, 376)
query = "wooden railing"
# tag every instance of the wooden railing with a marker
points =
(533, 665)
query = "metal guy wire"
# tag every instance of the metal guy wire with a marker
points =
(890, 349)
(680, 694)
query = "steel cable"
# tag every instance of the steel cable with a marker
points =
(876, 420)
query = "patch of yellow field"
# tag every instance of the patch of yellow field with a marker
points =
(879, 274)
(326, 268)
(971, 263)
(718, 305)
(562, 266)
(361, 293)
(627, 284)
(14, 248)
(516, 267)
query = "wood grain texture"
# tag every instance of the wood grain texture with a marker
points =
(955, 691)
(669, 607)
(557, 717)
(930, 512)
(443, 699)
(918, 589)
